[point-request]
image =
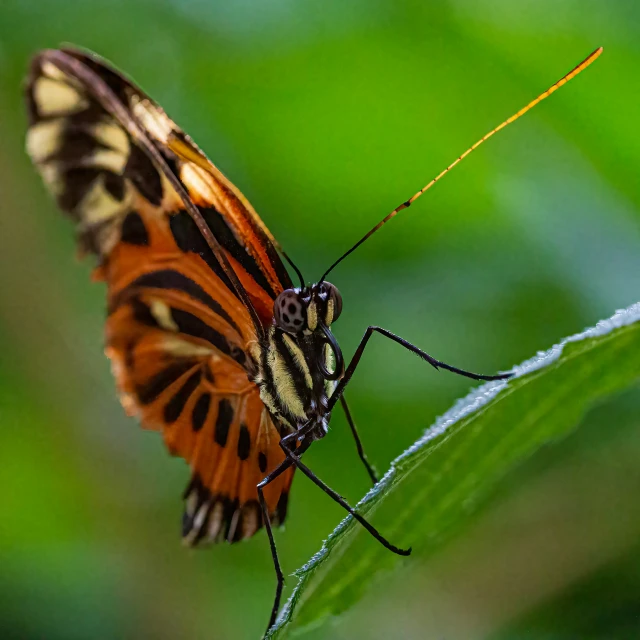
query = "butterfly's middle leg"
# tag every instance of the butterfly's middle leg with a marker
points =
(356, 437)
(281, 468)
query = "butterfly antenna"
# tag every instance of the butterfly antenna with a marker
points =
(298, 272)
(407, 203)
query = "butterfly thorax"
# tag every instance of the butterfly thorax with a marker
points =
(300, 360)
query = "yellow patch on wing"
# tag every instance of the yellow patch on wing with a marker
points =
(56, 97)
(200, 182)
(152, 118)
(43, 139)
(99, 205)
(161, 311)
(113, 136)
(109, 159)
(180, 348)
(49, 69)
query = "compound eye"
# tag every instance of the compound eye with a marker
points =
(333, 297)
(288, 311)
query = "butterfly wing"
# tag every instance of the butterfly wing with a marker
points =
(184, 324)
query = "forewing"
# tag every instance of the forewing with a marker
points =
(98, 170)
(182, 343)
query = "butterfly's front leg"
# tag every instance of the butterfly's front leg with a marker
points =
(436, 364)
(339, 392)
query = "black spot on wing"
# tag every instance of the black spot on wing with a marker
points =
(77, 182)
(244, 442)
(227, 239)
(133, 230)
(145, 177)
(150, 390)
(114, 185)
(200, 411)
(181, 228)
(223, 422)
(262, 461)
(175, 406)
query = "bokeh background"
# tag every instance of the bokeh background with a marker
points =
(327, 115)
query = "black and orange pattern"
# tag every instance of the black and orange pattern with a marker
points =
(183, 345)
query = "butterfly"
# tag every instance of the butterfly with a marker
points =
(210, 341)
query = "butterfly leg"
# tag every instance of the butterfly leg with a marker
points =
(356, 437)
(281, 468)
(298, 435)
(295, 459)
(302, 432)
(437, 364)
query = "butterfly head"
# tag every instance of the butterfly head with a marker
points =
(308, 312)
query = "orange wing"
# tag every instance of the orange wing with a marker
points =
(185, 322)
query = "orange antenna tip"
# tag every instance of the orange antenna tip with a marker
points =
(407, 203)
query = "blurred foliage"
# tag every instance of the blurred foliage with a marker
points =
(327, 115)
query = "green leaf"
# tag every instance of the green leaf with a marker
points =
(432, 490)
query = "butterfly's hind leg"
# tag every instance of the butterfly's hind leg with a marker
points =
(302, 432)
(281, 468)
(295, 459)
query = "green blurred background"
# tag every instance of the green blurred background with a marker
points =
(327, 115)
